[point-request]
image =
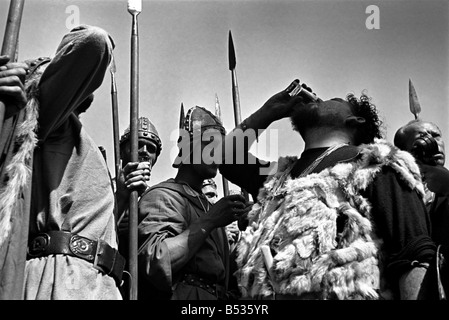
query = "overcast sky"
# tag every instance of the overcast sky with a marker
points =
(184, 58)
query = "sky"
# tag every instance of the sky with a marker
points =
(335, 47)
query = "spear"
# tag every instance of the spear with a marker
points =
(415, 107)
(11, 39)
(134, 8)
(235, 91)
(181, 118)
(115, 121)
(218, 114)
(235, 88)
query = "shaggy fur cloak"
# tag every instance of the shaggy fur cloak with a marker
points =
(297, 220)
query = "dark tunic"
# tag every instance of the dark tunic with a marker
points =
(165, 211)
(439, 214)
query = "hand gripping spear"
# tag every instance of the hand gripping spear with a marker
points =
(134, 8)
(11, 39)
(235, 92)
(218, 114)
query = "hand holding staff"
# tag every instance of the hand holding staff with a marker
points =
(10, 41)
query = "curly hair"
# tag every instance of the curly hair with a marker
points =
(362, 107)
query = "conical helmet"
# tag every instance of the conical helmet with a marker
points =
(145, 130)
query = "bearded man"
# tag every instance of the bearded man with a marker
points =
(343, 221)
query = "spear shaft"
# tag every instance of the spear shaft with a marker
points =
(218, 114)
(10, 40)
(134, 7)
(115, 120)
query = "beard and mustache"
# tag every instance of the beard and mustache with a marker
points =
(312, 116)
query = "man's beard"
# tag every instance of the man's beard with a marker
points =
(307, 118)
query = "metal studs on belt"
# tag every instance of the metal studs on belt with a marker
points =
(39, 244)
(81, 247)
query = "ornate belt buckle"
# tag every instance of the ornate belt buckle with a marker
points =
(38, 245)
(82, 247)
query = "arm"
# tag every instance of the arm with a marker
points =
(75, 72)
(169, 239)
(239, 141)
(403, 223)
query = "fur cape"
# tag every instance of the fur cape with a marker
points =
(18, 170)
(297, 220)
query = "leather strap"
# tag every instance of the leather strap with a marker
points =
(103, 257)
(214, 289)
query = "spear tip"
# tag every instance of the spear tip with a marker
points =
(415, 106)
(217, 107)
(232, 60)
(181, 116)
(134, 6)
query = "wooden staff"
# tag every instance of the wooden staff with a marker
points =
(134, 8)
(11, 39)
(218, 114)
(115, 120)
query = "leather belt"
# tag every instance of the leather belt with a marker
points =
(103, 257)
(213, 288)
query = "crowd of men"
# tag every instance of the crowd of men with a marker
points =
(354, 217)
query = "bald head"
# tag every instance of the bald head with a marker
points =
(407, 136)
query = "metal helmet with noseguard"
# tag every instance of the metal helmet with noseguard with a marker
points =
(145, 130)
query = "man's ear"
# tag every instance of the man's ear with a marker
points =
(354, 121)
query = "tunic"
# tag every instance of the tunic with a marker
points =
(71, 188)
(166, 210)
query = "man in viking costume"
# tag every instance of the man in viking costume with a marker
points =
(183, 251)
(346, 220)
(423, 139)
(148, 150)
(134, 176)
(72, 241)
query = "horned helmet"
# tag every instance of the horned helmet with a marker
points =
(196, 121)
